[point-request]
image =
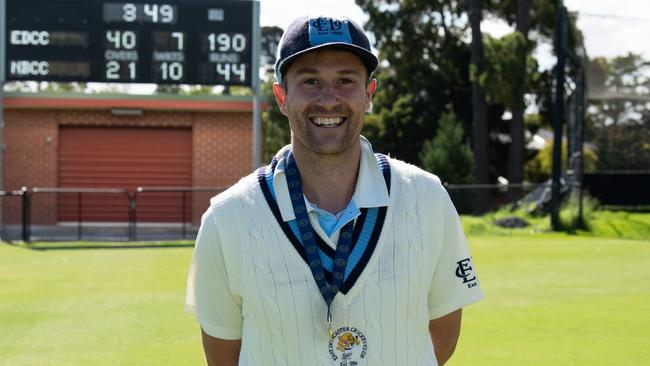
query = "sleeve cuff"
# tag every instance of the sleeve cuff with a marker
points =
(220, 332)
(455, 304)
(213, 330)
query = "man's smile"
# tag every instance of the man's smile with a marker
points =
(327, 122)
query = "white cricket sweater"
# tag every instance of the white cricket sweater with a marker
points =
(248, 282)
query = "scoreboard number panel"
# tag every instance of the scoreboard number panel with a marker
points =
(163, 42)
(132, 12)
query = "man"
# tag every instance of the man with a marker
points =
(331, 255)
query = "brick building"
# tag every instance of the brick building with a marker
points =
(122, 141)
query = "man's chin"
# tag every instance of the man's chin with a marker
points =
(331, 148)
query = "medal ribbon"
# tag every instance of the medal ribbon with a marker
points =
(307, 235)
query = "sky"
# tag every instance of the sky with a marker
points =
(610, 27)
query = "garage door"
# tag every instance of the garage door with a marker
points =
(109, 157)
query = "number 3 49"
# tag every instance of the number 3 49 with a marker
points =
(156, 13)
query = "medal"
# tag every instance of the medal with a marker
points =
(307, 234)
(346, 344)
(330, 331)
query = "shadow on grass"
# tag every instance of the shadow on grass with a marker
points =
(45, 246)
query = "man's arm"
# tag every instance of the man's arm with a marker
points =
(220, 352)
(444, 335)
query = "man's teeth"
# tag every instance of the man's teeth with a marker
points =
(327, 121)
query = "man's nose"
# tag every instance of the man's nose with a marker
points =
(328, 96)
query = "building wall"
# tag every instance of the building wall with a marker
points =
(221, 154)
(30, 160)
(221, 151)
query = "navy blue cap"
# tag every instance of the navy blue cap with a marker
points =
(307, 34)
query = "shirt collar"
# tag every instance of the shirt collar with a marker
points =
(370, 191)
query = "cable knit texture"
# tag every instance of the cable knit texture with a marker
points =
(267, 296)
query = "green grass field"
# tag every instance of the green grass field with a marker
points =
(550, 300)
(559, 300)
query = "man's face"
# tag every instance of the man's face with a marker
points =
(325, 96)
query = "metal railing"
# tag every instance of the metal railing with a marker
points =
(21, 193)
(182, 190)
(80, 205)
(535, 198)
(130, 208)
(501, 195)
(461, 194)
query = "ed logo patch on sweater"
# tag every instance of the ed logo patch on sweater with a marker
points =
(465, 271)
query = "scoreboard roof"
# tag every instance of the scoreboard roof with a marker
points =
(160, 102)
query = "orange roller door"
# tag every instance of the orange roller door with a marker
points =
(110, 157)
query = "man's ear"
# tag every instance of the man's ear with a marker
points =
(370, 91)
(280, 97)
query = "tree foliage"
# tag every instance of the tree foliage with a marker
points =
(541, 16)
(480, 140)
(502, 67)
(449, 145)
(65, 87)
(275, 126)
(424, 71)
(538, 169)
(618, 115)
(270, 39)
(185, 90)
(450, 157)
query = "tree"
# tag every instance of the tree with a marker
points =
(20, 86)
(450, 156)
(186, 89)
(516, 154)
(511, 56)
(512, 77)
(167, 89)
(66, 87)
(479, 112)
(275, 127)
(270, 39)
(424, 72)
(618, 117)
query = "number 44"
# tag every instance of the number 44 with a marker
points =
(226, 70)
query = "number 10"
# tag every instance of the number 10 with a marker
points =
(173, 71)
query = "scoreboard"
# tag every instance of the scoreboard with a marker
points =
(163, 42)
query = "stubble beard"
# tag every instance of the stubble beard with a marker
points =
(318, 140)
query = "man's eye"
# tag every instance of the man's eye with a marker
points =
(347, 81)
(310, 81)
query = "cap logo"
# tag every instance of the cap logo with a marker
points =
(328, 30)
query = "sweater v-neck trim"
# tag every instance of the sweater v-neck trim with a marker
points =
(362, 226)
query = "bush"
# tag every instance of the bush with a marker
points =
(450, 158)
(569, 213)
(539, 168)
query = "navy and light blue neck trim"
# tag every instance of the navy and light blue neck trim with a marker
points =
(365, 234)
